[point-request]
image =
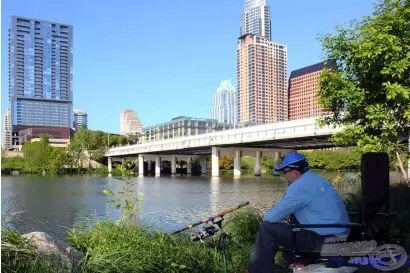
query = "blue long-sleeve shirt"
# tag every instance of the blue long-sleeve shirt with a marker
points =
(313, 200)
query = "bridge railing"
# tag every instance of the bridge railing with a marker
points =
(242, 135)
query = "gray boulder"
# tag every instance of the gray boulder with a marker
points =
(57, 250)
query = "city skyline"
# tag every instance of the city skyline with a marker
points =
(180, 79)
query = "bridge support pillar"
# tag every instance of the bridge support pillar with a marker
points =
(140, 165)
(215, 161)
(203, 165)
(257, 167)
(158, 166)
(149, 167)
(189, 166)
(109, 164)
(173, 165)
(237, 164)
(276, 162)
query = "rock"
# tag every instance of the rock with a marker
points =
(48, 246)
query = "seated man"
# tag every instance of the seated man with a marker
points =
(311, 199)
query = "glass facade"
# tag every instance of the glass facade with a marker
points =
(255, 19)
(80, 120)
(41, 113)
(40, 73)
(224, 103)
(182, 127)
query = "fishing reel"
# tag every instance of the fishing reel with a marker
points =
(209, 230)
(205, 232)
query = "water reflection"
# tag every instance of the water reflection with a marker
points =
(55, 204)
(214, 195)
(49, 204)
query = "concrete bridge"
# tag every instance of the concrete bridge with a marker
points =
(256, 141)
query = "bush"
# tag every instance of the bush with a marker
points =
(247, 163)
(339, 159)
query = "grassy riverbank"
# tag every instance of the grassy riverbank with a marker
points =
(120, 247)
(115, 247)
(129, 248)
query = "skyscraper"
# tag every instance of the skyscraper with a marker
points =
(129, 123)
(224, 104)
(304, 84)
(256, 19)
(41, 76)
(262, 91)
(7, 131)
(80, 119)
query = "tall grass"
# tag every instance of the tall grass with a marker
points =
(18, 255)
(111, 247)
(123, 247)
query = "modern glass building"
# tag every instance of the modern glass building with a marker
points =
(80, 120)
(223, 109)
(182, 127)
(255, 19)
(40, 73)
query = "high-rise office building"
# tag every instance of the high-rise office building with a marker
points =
(224, 106)
(80, 119)
(41, 76)
(7, 131)
(255, 19)
(129, 123)
(304, 84)
(262, 92)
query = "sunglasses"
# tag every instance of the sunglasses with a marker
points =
(285, 172)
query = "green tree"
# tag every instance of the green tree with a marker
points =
(59, 158)
(37, 153)
(369, 91)
(267, 162)
(122, 140)
(133, 138)
(15, 163)
(87, 145)
(77, 146)
(247, 163)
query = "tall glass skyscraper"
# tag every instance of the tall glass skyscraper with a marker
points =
(40, 73)
(224, 104)
(255, 19)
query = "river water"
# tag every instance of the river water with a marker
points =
(56, 204)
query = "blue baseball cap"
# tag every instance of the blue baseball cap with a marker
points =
(291, 161)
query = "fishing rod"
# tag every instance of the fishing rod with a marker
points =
(211, 218)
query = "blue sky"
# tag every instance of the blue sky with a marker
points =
(166, 58)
